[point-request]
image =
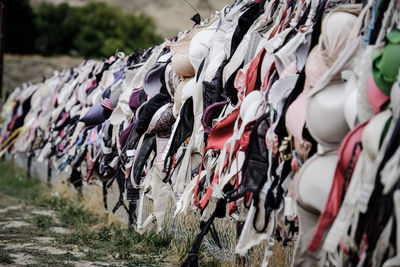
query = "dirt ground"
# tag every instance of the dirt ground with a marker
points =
(40, 228)
(28, 236)
(32, 236)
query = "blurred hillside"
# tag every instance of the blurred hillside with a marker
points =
(32, 68)
(83, 30)
(171, 16)
(91, 30)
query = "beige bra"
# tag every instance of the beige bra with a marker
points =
(325, 115)
(180, 52)
(325, 111)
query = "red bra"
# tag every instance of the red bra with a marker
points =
(348, 156)
(224, 129)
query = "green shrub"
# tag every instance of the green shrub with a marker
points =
(106, 29)
(56, 27)
(93, 30)
(19, 31)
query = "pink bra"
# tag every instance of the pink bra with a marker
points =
(296, 113)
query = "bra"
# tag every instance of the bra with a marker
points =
(348, 155)
(325, 115)
(210, 113)
(180, 55)
(162, 121)
(217, 53)
(362, 181)
(178, 96)
(200, 44)
(97, 114)
(296, 113)
(170, 80)
(152, 82)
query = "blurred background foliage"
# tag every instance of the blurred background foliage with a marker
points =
(93, 30)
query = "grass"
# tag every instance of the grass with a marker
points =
(13, 182)
(88, 230)
(5, 256)
(98, 241)
(24, 232)
(73, 215)
(90, 234)
(43, 221)
(47, 259)
(119, 243)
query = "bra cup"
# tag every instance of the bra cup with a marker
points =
(286, 55)
(315, 181)
(213, 65)
(140, 73)
(231, 24)
(75, 110)
(325, 115)
(215, 55)
(266, 63)
(178, 97)
(70, 103)
(251, 102)
(188, 90)
(181, 63)
(106, 80)
(155, 118)
(280, 90)
(256, 43)
(238, 57)
(152, 82)
(235, 61)
(200, 44)
(94, 97)
(65, 94)
(83, 112)
(162, 121)
(130, 76)
(36, 98)
(44, 123)
(350, 109)
(372, 134)
(239, 82)
(170, 77)
(56, 113)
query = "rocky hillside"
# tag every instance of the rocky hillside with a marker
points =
(171, 16)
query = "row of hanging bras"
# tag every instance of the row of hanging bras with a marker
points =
(279, 114)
